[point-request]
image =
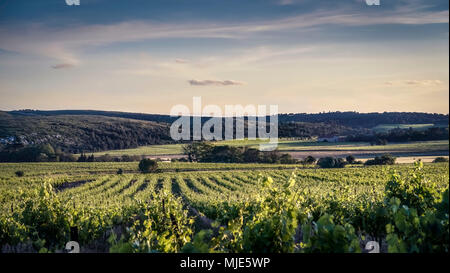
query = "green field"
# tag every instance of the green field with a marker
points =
(293, 145)
(169, 149)
(93, 198)
(387, 127)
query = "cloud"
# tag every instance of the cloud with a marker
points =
(214, 82)
(414, 83)
(423, 82)
(64, 44)
(62, 66)
(181, 61)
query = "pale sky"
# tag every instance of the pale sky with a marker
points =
(147, 56)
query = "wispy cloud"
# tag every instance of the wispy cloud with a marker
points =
(214, 82)
(181, 61)
(64, 44)
(414, 83)
(62, 66)
(423, 82)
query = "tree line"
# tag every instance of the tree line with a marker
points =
(402, 135)
(207, 152)
(348, 118)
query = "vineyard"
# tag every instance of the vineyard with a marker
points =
(236, 208)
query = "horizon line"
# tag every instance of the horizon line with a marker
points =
(168, 114)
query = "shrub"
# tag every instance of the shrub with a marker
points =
(160, 226)
(386, 159)
(19, 173)
(327, 237)
(119, 171)
(331, 162)
(440, 159)
(410, 231)
(413, 191)
(309, 160)
(350, 159)
(266, 226)
(148, 165)
(287, 159)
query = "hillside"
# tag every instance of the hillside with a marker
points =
(93, 131)
(348, 119)
(367, 120)
(76, 133)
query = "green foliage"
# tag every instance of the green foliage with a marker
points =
(413, 191)
(160, 226)
(331, 162)
(421, 233)
(84, 131)
(440, 160)
(207, 152)
(33, 153)
(419, 218)
(11, 231)
(44, 220)
(266, 225)
(238, 210)
(324, 236)
(148, 165)
(350, 159)
(386, 159)
(309, 160)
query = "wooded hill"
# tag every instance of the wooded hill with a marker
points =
(74, 131)
(78, 133)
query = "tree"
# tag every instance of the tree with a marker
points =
(331, 162)
(82, 158)
(251, 155)
(287, 159)
(91, 158)
(197, 151)
(148, 165)
(309, 160)
(386, 159)
(47, 149)
(440, 159)
(350, 159)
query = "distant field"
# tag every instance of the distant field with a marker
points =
(296, 146)
(170, 149)
(301, 145)
(344, 146)
(387, 127)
